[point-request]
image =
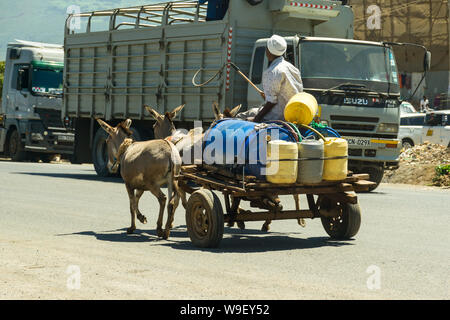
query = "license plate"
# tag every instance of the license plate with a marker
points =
(358, 142)
(66, 138)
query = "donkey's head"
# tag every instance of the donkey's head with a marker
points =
(227, 113)
(116, 136)
(164, 126)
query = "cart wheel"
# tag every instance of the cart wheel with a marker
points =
(345, 224)
(204, 219)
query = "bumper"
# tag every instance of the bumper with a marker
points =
(374, 149)
(39, 139)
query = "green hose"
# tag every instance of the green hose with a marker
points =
(313, 130)
(293, 126)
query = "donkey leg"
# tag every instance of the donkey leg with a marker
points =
(132, 198)
(183, 197)
(156, 191)
(140, 216)
(174, 201)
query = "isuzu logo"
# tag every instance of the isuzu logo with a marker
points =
(356, 101)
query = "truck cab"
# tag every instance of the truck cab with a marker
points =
(30, 113)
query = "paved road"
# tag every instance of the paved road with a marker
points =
(62, 236)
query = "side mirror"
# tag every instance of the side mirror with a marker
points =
(427, 61)
(22, 79)
(411, 57)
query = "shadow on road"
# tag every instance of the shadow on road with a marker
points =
(88, 177)
(234, 241)
(254, 241)
(120, 235)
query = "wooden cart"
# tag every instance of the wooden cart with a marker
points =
(336, 203)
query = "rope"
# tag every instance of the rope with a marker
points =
(208, 81)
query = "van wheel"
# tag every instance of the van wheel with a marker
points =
(100, 154)
(16, 147)
(407, 144)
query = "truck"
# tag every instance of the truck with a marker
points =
(168, 54)
(30, 112)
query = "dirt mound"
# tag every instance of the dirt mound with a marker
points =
(418, 166)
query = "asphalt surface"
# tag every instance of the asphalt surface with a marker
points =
(63, 236)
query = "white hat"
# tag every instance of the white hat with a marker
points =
(277, 45)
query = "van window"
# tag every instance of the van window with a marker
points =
(417, 121)
(258, 65)
(404, 121)
(433, 119)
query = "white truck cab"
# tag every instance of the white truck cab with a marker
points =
(418, 128)
(30, 112)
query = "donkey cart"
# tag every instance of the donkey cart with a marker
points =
(336, 203)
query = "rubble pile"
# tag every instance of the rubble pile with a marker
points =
(418, 166)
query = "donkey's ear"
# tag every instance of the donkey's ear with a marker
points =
(235, 111)
(105, 126)
(218, 115)
(127, 123)
(154, 113)
(175, 111)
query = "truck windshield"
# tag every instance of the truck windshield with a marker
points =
(47, 81)
(328, 64)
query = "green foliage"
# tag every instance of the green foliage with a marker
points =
(443, 170)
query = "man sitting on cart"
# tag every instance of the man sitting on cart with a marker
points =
(281, 81)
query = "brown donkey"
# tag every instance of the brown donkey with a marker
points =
(145, 166)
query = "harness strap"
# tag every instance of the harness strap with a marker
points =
(122, 149)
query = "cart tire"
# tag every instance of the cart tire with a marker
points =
(204, 219)
(346, 225)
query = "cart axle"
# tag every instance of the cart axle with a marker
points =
(264, 216)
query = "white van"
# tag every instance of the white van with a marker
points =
(416, 128)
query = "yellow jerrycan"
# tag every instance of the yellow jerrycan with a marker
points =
(301, 108)
(335, 169)
(280, 172)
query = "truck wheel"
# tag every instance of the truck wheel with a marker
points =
(16, 148)
(376, 175)
(100, 154)
(204, 219)
(345, 224)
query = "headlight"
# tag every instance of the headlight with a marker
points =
(37, 137)
(388, 127)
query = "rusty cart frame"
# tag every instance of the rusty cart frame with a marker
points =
(336, 203)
